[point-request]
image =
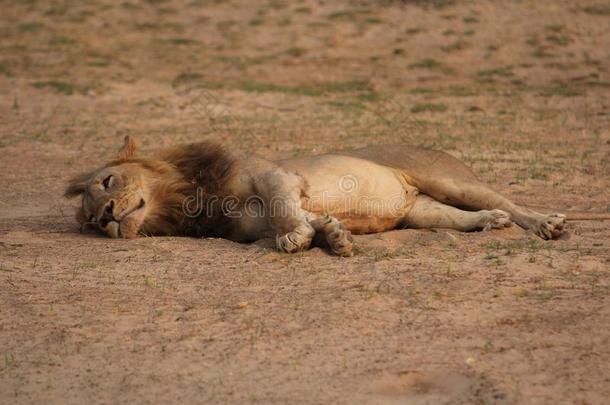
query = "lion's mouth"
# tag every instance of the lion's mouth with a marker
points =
(126, 215)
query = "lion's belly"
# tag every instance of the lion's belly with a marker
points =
(365, 196)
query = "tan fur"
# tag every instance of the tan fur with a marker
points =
(201, 190)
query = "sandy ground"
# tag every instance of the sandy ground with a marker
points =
(520, 90)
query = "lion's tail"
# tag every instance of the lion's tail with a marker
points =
(586, 216)
(577, 215)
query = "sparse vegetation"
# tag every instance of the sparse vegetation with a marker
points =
(186, 78)
(256, 21)
(431, 107)
(356, 86)
(60, 87)
(5, 68)
(350, 15)
(556, 35)
(295, 52)
(438, 4)
(597, 9)
(222, 322)
(506, 71)
(431, 64)
(315, 90)
(179, 41)
(32, 26)
(561, 90)
(455, 46)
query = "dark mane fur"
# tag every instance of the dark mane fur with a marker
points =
(206, 168)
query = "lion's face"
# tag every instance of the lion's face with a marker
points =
(114, 200)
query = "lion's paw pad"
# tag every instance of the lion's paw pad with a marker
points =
(496, 219)
(552, 226)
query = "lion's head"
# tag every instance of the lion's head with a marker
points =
(129, 195)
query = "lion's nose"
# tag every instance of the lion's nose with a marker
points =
(110, 209)
(108, 215)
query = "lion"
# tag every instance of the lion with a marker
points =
(202, 190)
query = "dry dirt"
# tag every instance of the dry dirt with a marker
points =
(520, 90)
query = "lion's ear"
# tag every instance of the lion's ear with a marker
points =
(77, 186)
(129, 148)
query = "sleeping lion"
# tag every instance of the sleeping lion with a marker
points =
(201, 190)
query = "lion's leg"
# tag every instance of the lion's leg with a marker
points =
(337, 236)
(476, 195)
(291, 224)
(281, 195)
(429, 213)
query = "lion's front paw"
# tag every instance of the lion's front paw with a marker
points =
(292, 242)
(551, 227)
(337, 236)
(341, 242)
(496, 219)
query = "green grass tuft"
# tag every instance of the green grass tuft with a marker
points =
(502, 72)
(339, 15)
(5, 69)
(562, 91)
(438, 4)
(186, 78)
(431, 64)
(60, 87)
(421, 107)
(422, 90)
(362, 15)
(313, 90)
(558, 39)
(303, 10)
(461, 91)
(33, 26)
(598, 9)
(295, 51)
(455, 46)
(180, 41)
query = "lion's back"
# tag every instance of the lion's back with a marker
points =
(419, 164)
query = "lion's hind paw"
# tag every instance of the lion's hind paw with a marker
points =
(551, 227)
